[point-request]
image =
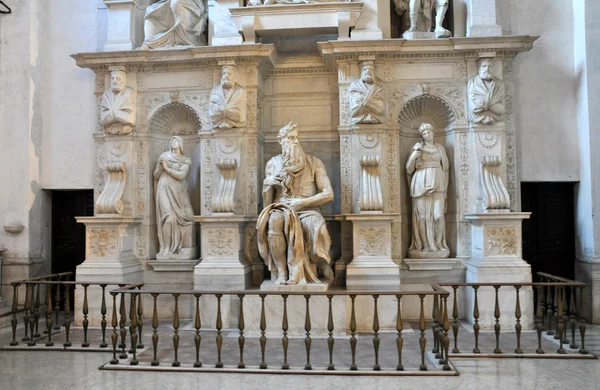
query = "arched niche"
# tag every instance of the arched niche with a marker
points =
(426, 109)
(175, 119)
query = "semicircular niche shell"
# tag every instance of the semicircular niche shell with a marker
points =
(176, 119)
(425, 109)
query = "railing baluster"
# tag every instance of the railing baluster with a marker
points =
(140, 321)
(330, 340)
(57, 304)
(399, 328)
(422, 340)
(565, 316)
(175, 331)
(26, 311)
(476, 321)
(219, 325)
(560, 324)
(455, 320)
(49, 315)
(85, 317)
(103, 313)
(122, 323)
(14, 321)
(353, 366)
(549, 311)
(573, 319)
(539, 323)
(31, 342)
(518, 325)
(497, 321)
(241, 325)
(556, 314)
(307, 328)
(284, 328)
(133, 329)
(542, 303)
(67, 315)
(434, 327)
(263, 327)
(197, 325)
(155, 361)
(440, 330)
(114, 337)
(36, 314)
(582, 350)
(446, 338)
(376, 367)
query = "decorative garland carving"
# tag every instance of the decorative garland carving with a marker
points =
(489, 139)
(368, 141)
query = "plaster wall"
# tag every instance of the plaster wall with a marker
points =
(544, 89)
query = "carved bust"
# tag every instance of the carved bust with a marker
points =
(227, 106)
(367, 100)
(117, 108)
(486, 95)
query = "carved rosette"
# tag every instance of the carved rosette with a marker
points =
(101, 243)
(374, 241)
(221, 242)
(501, 240)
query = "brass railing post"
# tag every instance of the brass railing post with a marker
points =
(539, 323)
(560, 323)
(422, 340)
(133, 329)
(67, 314)
(399, 328)
(103, 313)
(284, 328)
(573, 317)
(57, 304)
(140, 320)
(32, 342)
(476, 321)
(376, 367)
(49, 315)
(114, 337)
(497, 320)
(455, 321)
(219, 325)
(307, 328)
(434, 325)
(85, 317)
(353, 366)
(330, 340)
(154, 362)
(197, 337)
(26, 312)
(14, 321)
(518, 324)
(446, 338)
(123, 330)
(582, 350)
(37, 312)
(176, 332)
(549, 311)
(241, 325)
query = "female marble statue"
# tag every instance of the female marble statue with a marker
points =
(428, 173)
(174, 214)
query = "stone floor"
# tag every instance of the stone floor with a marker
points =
(79, 370)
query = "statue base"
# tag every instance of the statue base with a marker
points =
(419, 35)
(417, 254)
(184, 254)
(173, 264)
(269, 285)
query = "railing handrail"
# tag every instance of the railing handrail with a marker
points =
(513, 284)
(71, 282)
(40, 278)
(550, 276)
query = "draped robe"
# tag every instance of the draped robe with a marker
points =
(174, 23)
(117, 111)
(227, 107)
(173, 207)
(486, 100)
(366, 102)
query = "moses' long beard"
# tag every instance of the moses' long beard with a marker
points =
(294, 160)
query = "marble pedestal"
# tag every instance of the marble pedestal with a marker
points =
(109, 258)
(497, 258)
(224, 266)
(372, 267)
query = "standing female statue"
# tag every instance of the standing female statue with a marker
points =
(174, 214)
(428, 173)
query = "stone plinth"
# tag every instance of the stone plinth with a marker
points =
(269, 285)
(125, 25)
(497, 258)
(372, 267)
(481, 19)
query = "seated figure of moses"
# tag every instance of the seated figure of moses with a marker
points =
(292, 233)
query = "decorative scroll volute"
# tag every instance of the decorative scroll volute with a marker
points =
(496, 195)
(223, 200)
(109, 201)
(371, 198)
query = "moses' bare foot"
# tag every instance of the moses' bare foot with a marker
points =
(291, 281)
(281, 279)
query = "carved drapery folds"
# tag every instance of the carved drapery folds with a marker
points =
(418, 18)
(118, 105)
(367, 99)
(223, 200)
(486, 95)
(109, 201)
(495, 194)
(175, 23)
(371, 198)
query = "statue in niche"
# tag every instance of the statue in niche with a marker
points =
(291, 231)
(420, 13)
(428, 172)
(486, 95)
(175, 23)
(227, 106)
(117, 107)
(174, 214)
(367, 100)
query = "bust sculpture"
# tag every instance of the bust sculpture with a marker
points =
(420, 14)
(174, 214)
(227, 106)
(366, 96)
(486, 95)
(428, 171)
(117, 107)
(291, 231)
(174, 23)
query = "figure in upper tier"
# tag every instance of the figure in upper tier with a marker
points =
(175, 23)
(291, 231)
(366, 96)
(486, 95)
(117, 107)
(428, 171)
(420, 13)
(227, 106)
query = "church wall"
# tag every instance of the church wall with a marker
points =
(545, 82)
